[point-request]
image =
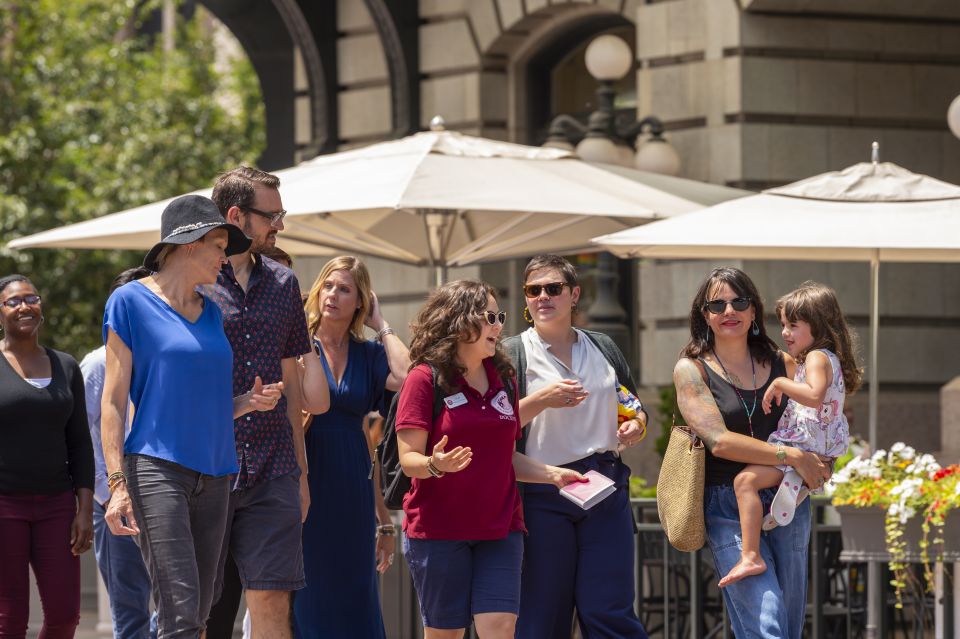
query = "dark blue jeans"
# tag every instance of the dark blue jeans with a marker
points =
(583, 559)
(182, 516)
(126, 579)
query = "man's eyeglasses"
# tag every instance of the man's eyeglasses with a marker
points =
(275, 218)
(553, 289)
(14, 302)
(493, 318)
(718, 306)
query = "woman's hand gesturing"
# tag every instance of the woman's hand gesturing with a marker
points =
(563, 393)
(452, 462)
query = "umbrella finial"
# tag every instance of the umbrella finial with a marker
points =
(437, 123)
(875, 152)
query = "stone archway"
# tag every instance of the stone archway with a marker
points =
(274, 35)
(520, 41)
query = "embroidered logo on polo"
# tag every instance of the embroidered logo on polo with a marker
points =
(502, 403)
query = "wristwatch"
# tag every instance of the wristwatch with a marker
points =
(781, 454)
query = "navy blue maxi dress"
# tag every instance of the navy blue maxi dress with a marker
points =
(339, 536)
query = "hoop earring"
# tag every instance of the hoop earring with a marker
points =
(754, 328)
(526, 315)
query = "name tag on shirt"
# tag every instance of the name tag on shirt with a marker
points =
(455, 400)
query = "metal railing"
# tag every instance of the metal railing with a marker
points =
(677, 595)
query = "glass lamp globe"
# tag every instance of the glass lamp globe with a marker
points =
(953, 116)
(558, 143)
(658, 156)
(598, 149)
(608, 58)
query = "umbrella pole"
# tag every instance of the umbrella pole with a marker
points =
(874, 375)
(875, 586)
(439, 275)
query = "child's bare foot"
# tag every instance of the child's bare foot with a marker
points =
(746, 567)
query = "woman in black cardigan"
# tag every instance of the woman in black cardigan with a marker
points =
(46, 470)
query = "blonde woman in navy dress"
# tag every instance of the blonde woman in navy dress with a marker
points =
(343, 545)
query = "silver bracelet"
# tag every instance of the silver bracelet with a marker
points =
(384, 332)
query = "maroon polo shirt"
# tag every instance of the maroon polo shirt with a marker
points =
(481, 501)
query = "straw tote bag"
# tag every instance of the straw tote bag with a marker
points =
(680, 488)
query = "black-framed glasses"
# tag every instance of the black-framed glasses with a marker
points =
(14, 302)
(494, 318)
(553, 289)
(275, 218)
(718, 306)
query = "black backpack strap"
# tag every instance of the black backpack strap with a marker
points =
(515, 350)
(437, 394)
(616, 359)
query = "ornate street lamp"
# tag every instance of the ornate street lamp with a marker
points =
(603, 139)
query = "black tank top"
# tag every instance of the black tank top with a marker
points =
(722, 471)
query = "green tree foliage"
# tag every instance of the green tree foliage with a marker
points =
(95, 118)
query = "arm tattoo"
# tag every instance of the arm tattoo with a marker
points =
(696, 403)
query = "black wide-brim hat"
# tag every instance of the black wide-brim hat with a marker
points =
(188, 218)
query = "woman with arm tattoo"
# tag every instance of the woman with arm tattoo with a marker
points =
(723, 406)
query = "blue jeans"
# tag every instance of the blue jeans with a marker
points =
(126, 579)
(771, 605)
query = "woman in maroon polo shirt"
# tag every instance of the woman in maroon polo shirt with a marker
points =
(464, 519)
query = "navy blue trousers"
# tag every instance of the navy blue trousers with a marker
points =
(581, 560)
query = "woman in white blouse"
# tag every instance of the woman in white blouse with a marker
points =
(574, 559)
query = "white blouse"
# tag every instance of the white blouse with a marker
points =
(563, 435)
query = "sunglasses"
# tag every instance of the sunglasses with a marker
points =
(718, 306)
(553, 289)
(14, 302)
(494, 318)
(275, 218)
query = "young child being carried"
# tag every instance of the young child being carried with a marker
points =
(817, 337)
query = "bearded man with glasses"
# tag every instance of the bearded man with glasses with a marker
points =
(265, 324)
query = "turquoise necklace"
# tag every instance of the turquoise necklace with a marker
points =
(749, 411)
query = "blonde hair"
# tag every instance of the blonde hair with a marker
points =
(361, 278)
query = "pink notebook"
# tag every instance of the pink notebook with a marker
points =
(589, 494)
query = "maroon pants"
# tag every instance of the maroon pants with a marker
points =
(35, 531)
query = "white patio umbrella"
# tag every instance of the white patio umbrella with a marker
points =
(869, 212)
(436, 198)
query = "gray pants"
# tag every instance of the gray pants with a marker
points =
(182, 515)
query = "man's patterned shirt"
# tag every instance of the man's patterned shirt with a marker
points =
(264, 326)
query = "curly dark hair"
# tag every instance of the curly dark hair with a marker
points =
(450, 315)
(762, 348)
(817, 305)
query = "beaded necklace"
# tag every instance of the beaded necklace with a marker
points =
(749, 411)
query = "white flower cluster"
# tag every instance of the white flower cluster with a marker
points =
(903, 492)
(871, 468)
(859, 468)
(925, 465)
